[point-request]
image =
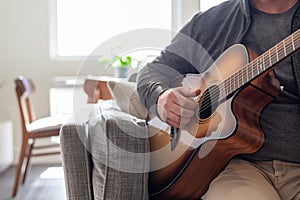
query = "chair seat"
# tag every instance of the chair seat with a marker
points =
(48, 123)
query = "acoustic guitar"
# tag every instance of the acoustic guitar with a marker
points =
(234, 92)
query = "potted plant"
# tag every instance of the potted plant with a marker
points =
(122, 64)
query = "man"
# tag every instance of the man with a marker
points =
(274, 171)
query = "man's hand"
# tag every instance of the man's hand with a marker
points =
(177, 106)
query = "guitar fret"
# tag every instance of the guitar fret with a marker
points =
(283, 43)
(252, 71)
(257, 66)
(221, 88)
(293, 45)
(264, 66)
(270, 58)
(234, 82)
(240, 81)
(297, 41)
(230, 85)
(281, 50)
(228, 89)
(225, 90)
(260, 67)
(242, 77)
(277, 53)
(246, 75)
(290, 47)
(274, 57)
(263, 60)
(247, 72)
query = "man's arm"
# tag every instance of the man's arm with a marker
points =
(157, 76)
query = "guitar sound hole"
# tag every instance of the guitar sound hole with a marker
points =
(209, 102)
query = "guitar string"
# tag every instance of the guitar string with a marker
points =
(214, 93)
(262, 58)
(207, 102)
(252, 68)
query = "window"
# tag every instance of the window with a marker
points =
(206, 4)
(79, 26)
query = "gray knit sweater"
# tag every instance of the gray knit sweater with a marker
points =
(200, 42)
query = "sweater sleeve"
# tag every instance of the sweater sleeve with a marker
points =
(175, 60)
(194, 49)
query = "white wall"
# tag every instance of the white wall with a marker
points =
(24, 50)
(189, 8)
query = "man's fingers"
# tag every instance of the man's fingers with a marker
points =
(177, 106)
(177, 121)
(184, 97)
(181, 111)
(188, 92)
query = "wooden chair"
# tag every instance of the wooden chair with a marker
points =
(33, 129)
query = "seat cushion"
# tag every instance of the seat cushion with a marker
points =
(126, 96)
(48, 123)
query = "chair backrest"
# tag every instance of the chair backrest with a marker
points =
(24, 90)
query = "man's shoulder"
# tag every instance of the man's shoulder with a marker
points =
(227, 12)
(224, 9)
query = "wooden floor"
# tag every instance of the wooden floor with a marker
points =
(35, 187)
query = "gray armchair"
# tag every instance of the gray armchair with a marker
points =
(106, 157)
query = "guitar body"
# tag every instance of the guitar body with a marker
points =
(216, 134)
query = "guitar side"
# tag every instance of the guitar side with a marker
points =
(208, 143)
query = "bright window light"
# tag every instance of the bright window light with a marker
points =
(82, 25)
(206, 4)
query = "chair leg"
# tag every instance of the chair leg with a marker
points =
(20, 168)
(27, 164)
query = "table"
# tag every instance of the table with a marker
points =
(96, 87)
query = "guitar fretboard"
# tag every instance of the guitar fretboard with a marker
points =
(270, 58)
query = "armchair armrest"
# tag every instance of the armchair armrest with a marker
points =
(76, 162)
(120, 153)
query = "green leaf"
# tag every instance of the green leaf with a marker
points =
(125, 62)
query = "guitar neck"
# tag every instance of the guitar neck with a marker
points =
(267, 60)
